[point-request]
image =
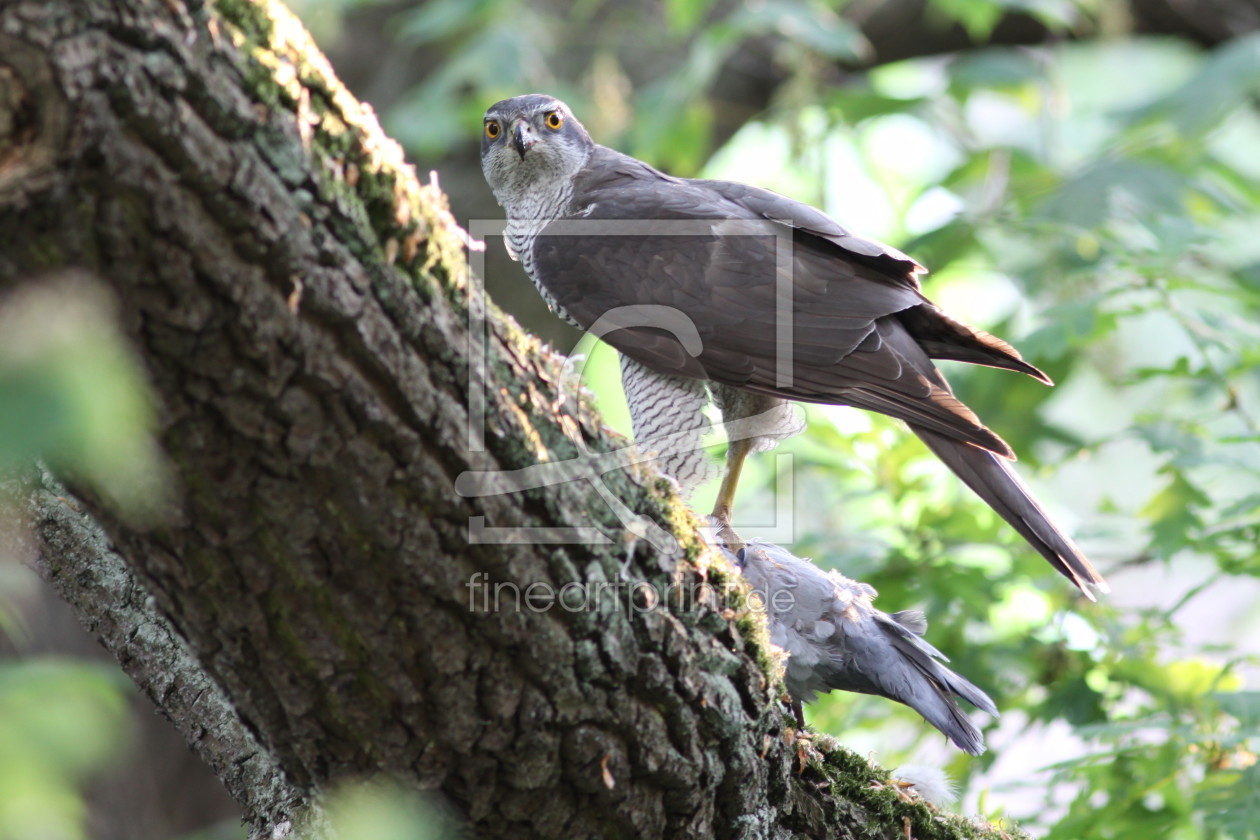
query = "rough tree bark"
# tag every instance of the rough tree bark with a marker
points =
(302, 612)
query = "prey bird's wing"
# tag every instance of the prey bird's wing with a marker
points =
(836, 639)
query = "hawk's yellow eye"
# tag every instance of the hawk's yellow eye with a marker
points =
(492, 129)
(554, 120)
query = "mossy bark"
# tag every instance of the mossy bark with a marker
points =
(302, 613)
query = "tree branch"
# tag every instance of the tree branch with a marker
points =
(301, 305)
(75, 557)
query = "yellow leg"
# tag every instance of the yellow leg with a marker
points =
(735, 455)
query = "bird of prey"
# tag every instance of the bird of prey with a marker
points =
(715, 290)
(836, 639)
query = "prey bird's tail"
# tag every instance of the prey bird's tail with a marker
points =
(927, 686)
(993, 480)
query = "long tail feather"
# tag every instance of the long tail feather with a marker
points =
(931, 693)
(994, 481)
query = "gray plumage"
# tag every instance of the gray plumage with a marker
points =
(836, 639)
(667, 413)
(840, 320)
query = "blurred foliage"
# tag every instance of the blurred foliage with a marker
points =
(1094, 202)
(582, 52)
(71, 394)
(382, 810)
(59, 721)
(587, 52)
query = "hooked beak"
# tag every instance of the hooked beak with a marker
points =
(522, 137)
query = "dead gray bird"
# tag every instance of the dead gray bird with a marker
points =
(836, 639)
(714, 290)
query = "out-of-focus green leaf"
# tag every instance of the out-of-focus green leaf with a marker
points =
(440, 19)
(1244, 705)
(1183, 681)
(810, 24)
(58, 722)
(1230, 75)
(994, 69)
(1087, 199)
(857, 104)
(1075, 701)
(940, 247)
(677, 132)
(494, 59)
(382, 810)
(683, 15)
(71, 392)
(978, 17)
(1071, 325)
(1232, 805)
(1175, 515)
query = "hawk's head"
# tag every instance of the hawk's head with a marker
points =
(531, 144)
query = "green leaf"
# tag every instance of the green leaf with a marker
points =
(810, 24)
(978, 17)
(59, 721)
(857, 104)
(1071, 325)
(949, 242)
(1233, 807)
(1088, 199)
(994, 69)
(1074, 701)
(383, 810)
(684, 15)
(439, 19)
(1174, 514)
(1230, 75)
(71, 392)
(1244, 705)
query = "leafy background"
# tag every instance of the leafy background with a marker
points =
(1093, 199)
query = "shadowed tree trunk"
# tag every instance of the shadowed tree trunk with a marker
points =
(302, 610)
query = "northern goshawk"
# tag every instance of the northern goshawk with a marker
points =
(715, 290)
